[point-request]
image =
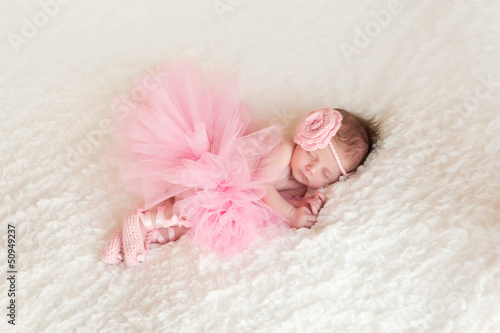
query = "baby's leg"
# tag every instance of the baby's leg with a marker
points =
(166, 234)
(140, 228)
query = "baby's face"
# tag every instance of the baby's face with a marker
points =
(315, 168)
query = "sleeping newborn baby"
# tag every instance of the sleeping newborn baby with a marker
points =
(188, 152)
(328, 144)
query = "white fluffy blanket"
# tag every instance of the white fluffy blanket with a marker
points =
(409, 244)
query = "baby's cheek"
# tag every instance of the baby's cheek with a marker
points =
(315, 184)
(325, 183)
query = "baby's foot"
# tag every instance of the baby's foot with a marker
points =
(135, 245)
(113, 253)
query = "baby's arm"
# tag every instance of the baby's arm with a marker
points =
(298, 217)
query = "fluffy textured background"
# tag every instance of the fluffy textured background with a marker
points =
(410, 244)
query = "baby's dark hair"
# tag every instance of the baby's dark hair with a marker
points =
(356, 137)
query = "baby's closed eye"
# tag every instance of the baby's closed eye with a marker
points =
(326, 174)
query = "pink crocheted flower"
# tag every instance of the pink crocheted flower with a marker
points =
(316, 130)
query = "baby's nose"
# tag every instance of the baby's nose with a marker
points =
(312, 168)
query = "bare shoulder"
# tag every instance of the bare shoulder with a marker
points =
(282, 154)
(285, 149)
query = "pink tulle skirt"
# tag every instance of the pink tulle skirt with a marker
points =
(188, 138)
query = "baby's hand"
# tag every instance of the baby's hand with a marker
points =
(316, 201)
(302, 218)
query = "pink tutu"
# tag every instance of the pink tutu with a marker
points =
(189, 139)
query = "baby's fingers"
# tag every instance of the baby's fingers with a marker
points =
(315, 204)
(309, 225)
(310, 202)
(321, 196)
(311, 220)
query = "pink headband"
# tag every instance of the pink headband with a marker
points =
(317, 130)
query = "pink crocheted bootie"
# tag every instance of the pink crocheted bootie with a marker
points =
(134, 247)
(113, 253)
